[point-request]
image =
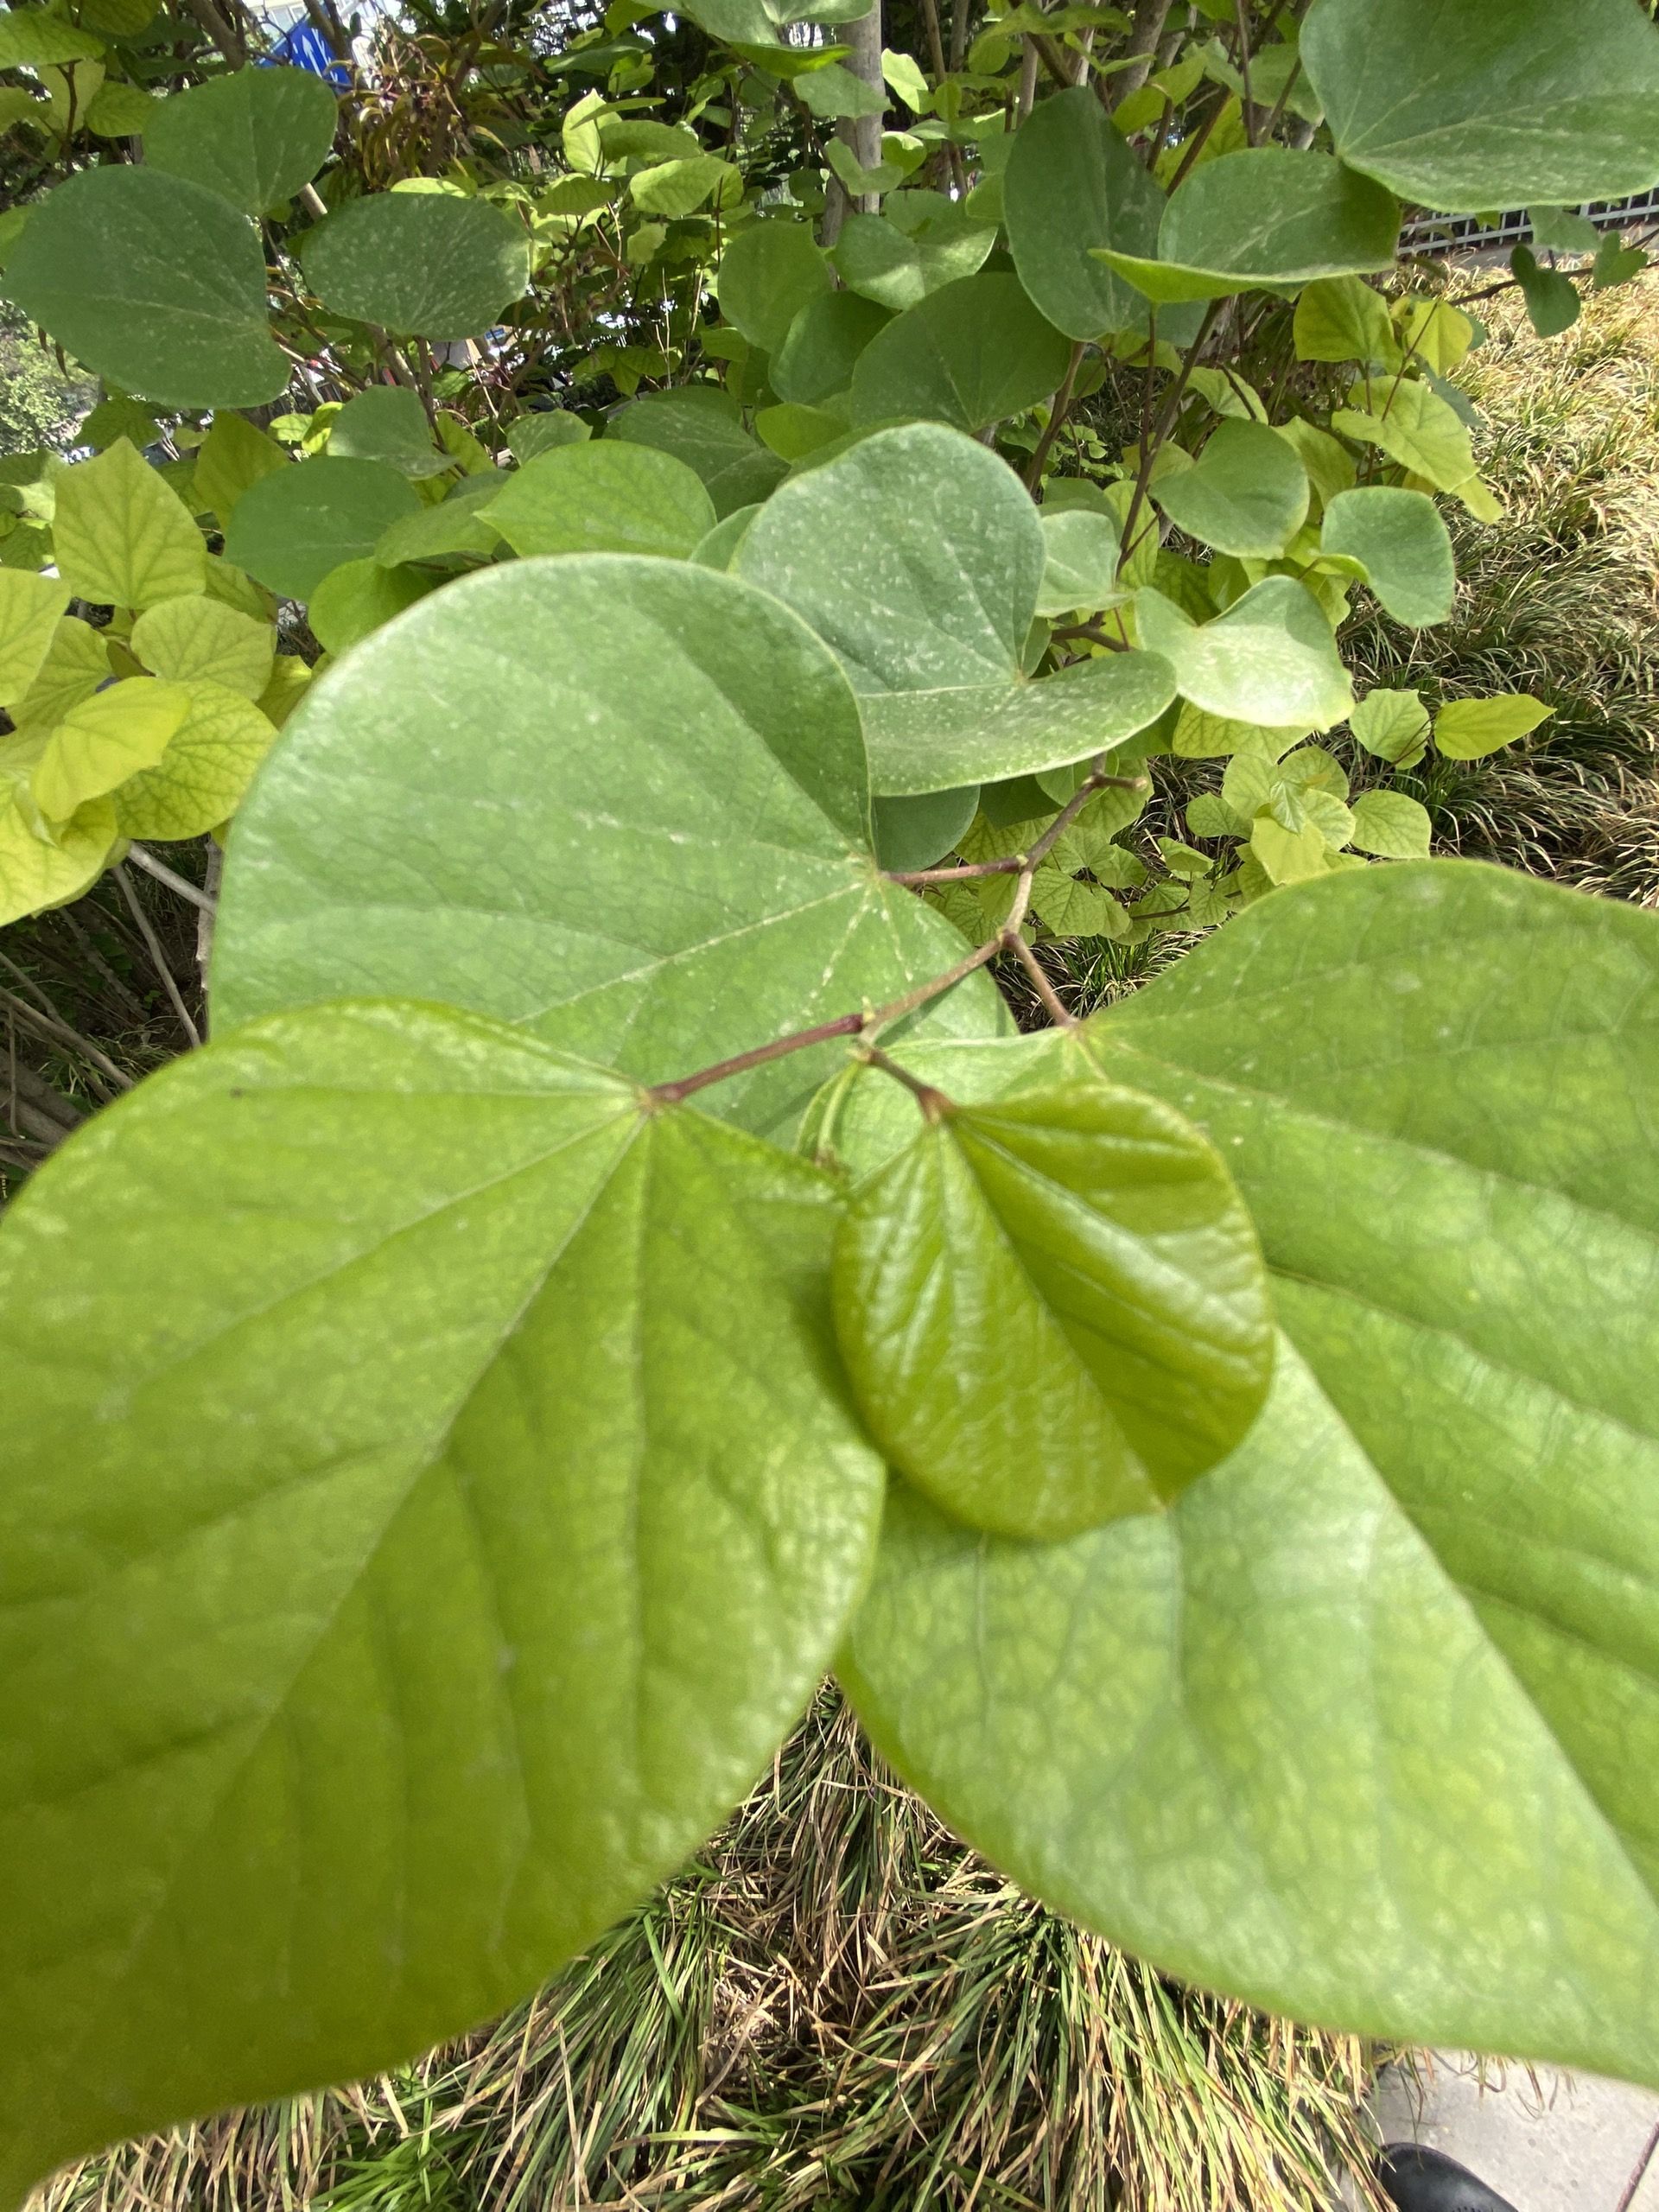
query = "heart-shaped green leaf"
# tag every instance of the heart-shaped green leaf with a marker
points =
(767, 274)
(1269, 659)
(408, 1559)
(821, 348)
(1465, 106)
(30, 608)
(1246, 494)
(122, 536)
(1264, 216)
(423, 263)
(620, 801)
(387, 422)
(293, 527)
(971, 354)
(872, 548)
(922, 242)
(1363, 1729)
(1404, 545)
(699, 426)
(254, 136)
(154, 282)
(199, 782)
(1054, 1308)
(607, 496)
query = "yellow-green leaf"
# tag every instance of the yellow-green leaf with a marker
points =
(76, 664)
(1415, 427)
(1470, 729)
(30, 608)
(103, 741)
(233, 456)
(204, 772)
(123, 538)
(39, 870)
(288, 678)
(187, 639)
(1288, 856)
(119, 112)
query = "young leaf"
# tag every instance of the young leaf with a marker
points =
(1404, 546)
(1468, 729)
(293, 1435)
(46, 865)
(420, 264)
(971, 354)
(1053, 1311)
(292, 527)
(1562, 229)
(606, 497)
(1467, 107)
(76, 664)
(254, 136)
(923, 243)
(1073, 182)
(1288, 856)
(1344, 319)
(1282, 1738)
(1394, 725)
(1417, 427)
(620, 801)
(1391, 825)
(231, 459)
(153, 282)
(30, 608)
(104, 740)
(1270, 658)
(124, 538)
(1263, 216)
(872, 548)
(1080, 563)
(201, 777)
(198, 638)
(1247, 492)
(767, 274)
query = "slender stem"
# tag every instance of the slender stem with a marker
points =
(1058, 1013)
(1164, 423)
(61, 1033)
(147, 860)
(1015, 863)
(153, 946)
(934, 1104)
(848, 1025)
(1241, 10)
(1057, 416)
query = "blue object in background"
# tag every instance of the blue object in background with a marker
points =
(305, 48)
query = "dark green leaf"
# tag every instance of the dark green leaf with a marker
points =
(821, 349)
(767, 274)
(1404, 545)
(605, 497)
(1072, 183)
(254, 136)
(387, 422)
(295, 525)
(691, 424)
(923, 242)
(154, 284)
(1553, 302)
(420, 264)
(971, 354)
(919, 832)
(1247, 494)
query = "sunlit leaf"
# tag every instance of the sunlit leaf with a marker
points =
(122, 537)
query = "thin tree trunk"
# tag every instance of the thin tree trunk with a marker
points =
(862, 134)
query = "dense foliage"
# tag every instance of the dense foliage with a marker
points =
(726, 573)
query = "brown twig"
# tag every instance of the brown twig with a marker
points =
(1057, 416)
(1058, 1013)
(153, 946)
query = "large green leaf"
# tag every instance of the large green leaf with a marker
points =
(387, 422)
(1404, 545)
(30, 36)
(1270, 658)
(293, 527)
(1465, 106)
(821, 347)
(424, 264)
(1264, 216)
(767, 274)
(620, 801)
(607, 496)
(254, 136)
(122, 535)
(1365, 1729)
(924, 242)
(1072, 182)
(153, 282)
(1053, 1309)
(919, 555)
(971, 354)
(699, 426)
(406, 1559)
(1247, 492)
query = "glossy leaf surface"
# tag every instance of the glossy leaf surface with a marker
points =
(1363, 1730)
(1053, 1309)
(620, 802)
(365, 1666)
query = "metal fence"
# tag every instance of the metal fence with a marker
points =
(1444, 234)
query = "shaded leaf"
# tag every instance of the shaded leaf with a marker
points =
(292, 527)
(254, 136)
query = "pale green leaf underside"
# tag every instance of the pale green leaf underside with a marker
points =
(623, 802)
(1366, 1729)
(406, 1558)
(985, 733)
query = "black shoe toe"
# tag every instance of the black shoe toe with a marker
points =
(1419, 2180)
